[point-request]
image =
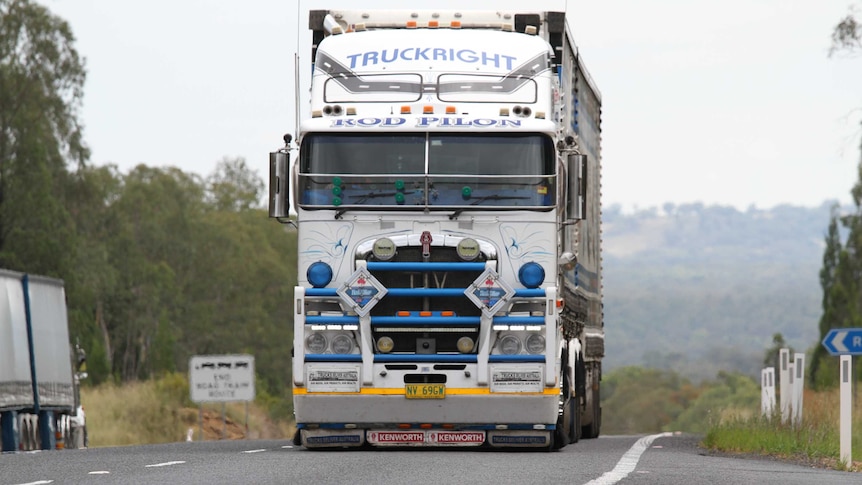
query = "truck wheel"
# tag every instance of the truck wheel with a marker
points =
(575, 420)
(592, 430)
(553, 441)
(564, 434)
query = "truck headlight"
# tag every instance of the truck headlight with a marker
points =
(510, 345)
(342, 344)
(535, 344)
(316, 343)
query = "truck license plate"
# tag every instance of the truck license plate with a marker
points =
(425, 391)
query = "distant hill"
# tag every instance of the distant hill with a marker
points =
(697, 289)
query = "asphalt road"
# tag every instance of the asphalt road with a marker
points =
(657, 459)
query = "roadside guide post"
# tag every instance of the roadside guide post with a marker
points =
(845, 342)
(846, 402)
(767, 391)
(798, 387)
(784, 383)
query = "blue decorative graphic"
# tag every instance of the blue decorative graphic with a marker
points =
(526, 242)
(325, 246)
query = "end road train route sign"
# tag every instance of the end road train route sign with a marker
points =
(844, 341)
(221, 378)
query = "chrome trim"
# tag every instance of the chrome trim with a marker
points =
(364, 248)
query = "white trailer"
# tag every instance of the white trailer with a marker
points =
(39, 399)
(447, 200)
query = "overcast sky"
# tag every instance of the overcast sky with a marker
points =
(732, 102)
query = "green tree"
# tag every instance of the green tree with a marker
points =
(841, 275)
(41, 82)
(234, 186)
(731, 393)
(772, 354)
(831, 259)
(90, 286)
(638, 400)
(151, 244)
(243, 303)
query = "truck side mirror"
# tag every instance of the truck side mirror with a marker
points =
(577, 190)
(279, 163)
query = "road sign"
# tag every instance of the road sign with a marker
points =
(844, 341)
(221, 378)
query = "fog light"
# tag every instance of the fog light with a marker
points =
(385, 344)
(465, 345)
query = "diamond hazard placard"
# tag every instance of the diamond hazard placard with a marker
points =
(361, 292)
(489, 292)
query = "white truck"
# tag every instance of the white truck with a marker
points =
(446, 191)
(39, 400)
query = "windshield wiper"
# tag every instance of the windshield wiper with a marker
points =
(487, 197)
(363, 198)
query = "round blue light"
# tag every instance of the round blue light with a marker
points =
(319, 274)
(531, 275)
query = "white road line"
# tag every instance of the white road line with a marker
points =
(40, 482)
(287, 447)
(100, 472)
(628, 462)
(167, 463)
(254, 451)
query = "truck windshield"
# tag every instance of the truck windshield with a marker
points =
(439, 170)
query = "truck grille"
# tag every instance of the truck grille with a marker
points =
(436, 337)
(389, 305)
(413, 340)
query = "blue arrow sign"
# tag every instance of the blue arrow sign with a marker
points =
(844, 341)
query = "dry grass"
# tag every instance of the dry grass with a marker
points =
(160, 411)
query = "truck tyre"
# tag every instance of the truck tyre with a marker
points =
(575, 421)
(572, 412)
(564, 434)
(592, 430)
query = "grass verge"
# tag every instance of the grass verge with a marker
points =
(814, 441)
